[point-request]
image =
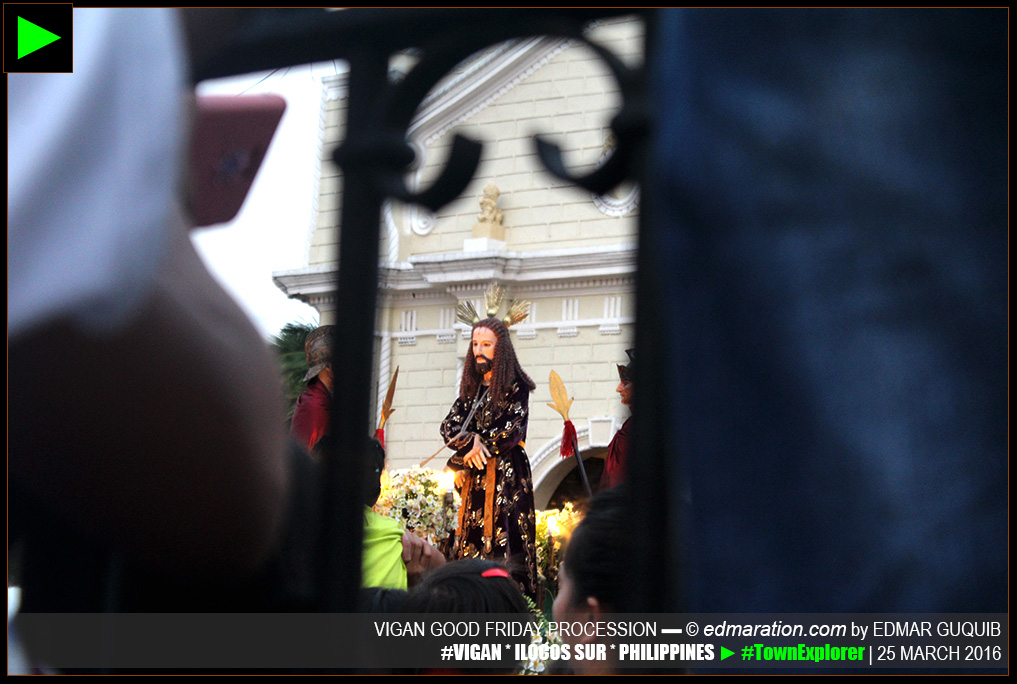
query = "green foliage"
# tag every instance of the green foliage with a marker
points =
(289, 350)
(543, 635)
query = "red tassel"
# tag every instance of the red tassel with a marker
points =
(379, 435)
(568, 440)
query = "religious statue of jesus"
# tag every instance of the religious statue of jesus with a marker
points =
(486, 428)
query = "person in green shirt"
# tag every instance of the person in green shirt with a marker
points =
(392, 558)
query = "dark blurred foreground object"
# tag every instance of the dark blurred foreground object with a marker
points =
(144, 408)
(825, 254)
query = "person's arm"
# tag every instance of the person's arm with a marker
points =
(419, 557)
(163, 439)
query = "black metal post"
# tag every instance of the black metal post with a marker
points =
(653, 511)
(356, 292)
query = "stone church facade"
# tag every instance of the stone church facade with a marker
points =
(569, 253)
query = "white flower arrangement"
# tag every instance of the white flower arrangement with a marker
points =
(421, 500)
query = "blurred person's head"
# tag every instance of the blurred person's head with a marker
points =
(318, 352)
(470, 585)
(592, 577)
(372, 472)
(373, 466)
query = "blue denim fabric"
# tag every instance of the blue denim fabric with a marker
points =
(827, 212)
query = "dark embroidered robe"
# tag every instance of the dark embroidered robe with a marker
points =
(502, 428)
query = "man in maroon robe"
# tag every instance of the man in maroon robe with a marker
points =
(312, 416)
(618, 450)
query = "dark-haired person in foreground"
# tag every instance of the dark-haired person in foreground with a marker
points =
(392, 558)
(592, 578)
(469, 587)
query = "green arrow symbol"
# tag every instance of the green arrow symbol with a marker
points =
(724, 653)
(32, 37)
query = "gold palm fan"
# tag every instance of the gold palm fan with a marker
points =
(569, 440)
(386, 408)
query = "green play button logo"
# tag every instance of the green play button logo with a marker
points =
(32, 37)
(39, 39)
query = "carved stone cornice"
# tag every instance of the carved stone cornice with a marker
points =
(518, 268)
(584, 270)
(304, 283)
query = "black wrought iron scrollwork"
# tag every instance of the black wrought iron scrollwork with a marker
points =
(275, 38)
(387, 155)
(629, 126)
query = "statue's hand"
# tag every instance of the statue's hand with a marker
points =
(478, 455)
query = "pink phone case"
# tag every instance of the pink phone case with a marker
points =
(231, 137)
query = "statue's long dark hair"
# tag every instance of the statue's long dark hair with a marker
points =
(506, 366)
